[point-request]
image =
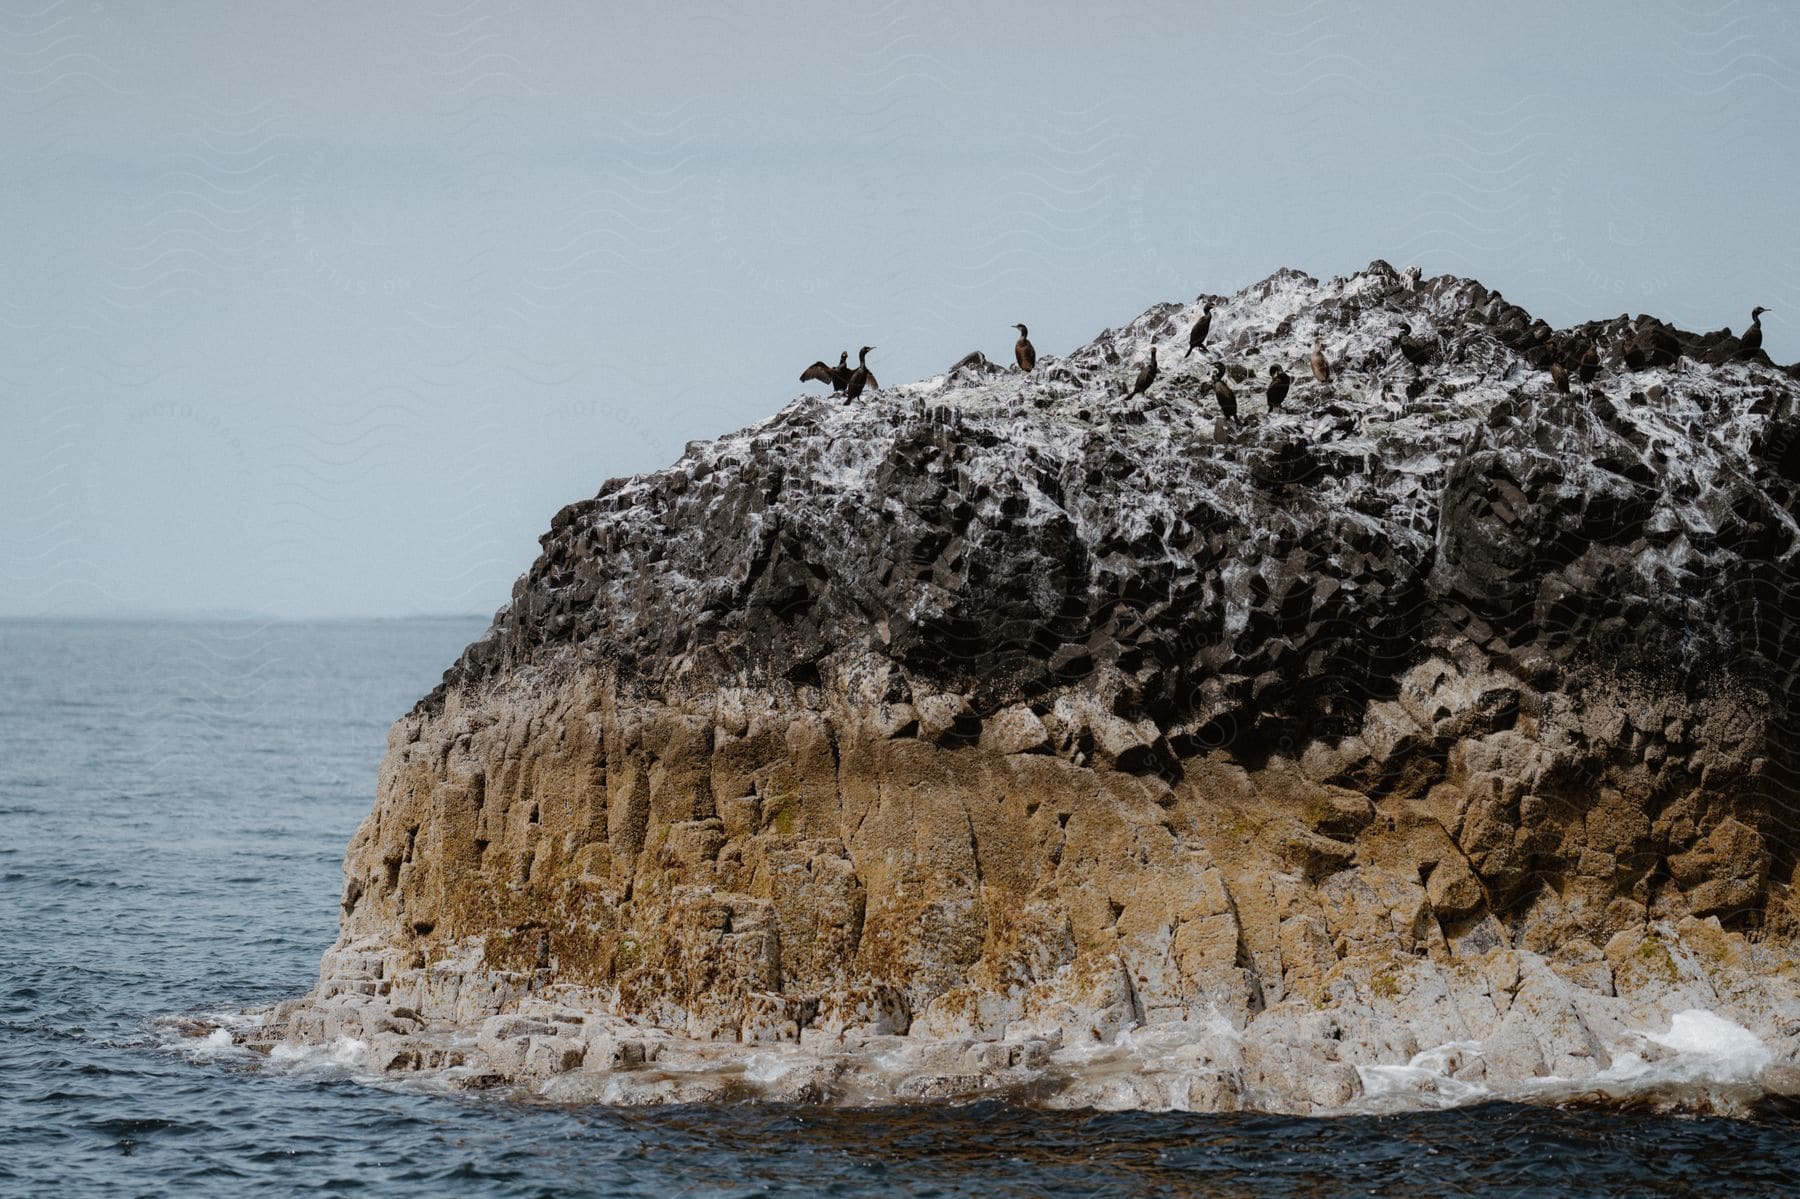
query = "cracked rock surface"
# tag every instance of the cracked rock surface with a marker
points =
(1428, 739)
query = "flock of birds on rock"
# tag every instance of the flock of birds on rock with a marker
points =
(851, 381)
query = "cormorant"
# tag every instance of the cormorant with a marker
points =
(1023, 351)
(1634, 356)
(1203, 326)
(1416, 350)
(1320, 367)
(1279, 382)
(1145, 377)
(1223, 393)
(862, 376)
(1751, 341)
(838, 376)
(1559, 377)
(1589, 366)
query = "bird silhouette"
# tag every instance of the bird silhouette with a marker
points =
(1145, 377)
(1279, 382)
(1222, 392)
(1751, 341)
(1589, 366)
(1024, 353)
(1203, 326)
(838, 376)
(1416, 350)
(862, 376)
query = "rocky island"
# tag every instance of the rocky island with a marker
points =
(1431, 738)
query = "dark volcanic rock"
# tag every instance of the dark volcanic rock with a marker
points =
(995, 540)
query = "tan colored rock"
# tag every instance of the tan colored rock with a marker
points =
(1014, 730)
(864, 1010)
(607, 1050)
(1725, 872)
(1453, 889)
(940, 714)
(588, 883)
(968, 1011)
(773, 1017)
(552, 1055)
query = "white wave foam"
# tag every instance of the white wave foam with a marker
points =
(344, 1055)
(1709, 1035)
(769, 1067)
(1428, 1079)
(1705, 1048)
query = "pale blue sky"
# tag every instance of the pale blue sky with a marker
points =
(321, 309)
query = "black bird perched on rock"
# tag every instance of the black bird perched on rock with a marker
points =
(838, 376)
(1320, 367)
(1279, 382)
(1559, 377)
(1024, 353)
(1145, 377)
(1416, 350)
(1589, 366)
(1203, 326)
(1751, 341)
(862, 376)
(1223, 393)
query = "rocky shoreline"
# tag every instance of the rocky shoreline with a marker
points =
(1423, 742)
(1521, 1029)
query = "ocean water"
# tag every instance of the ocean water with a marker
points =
(174, 803)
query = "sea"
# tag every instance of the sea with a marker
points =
(175, 798)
